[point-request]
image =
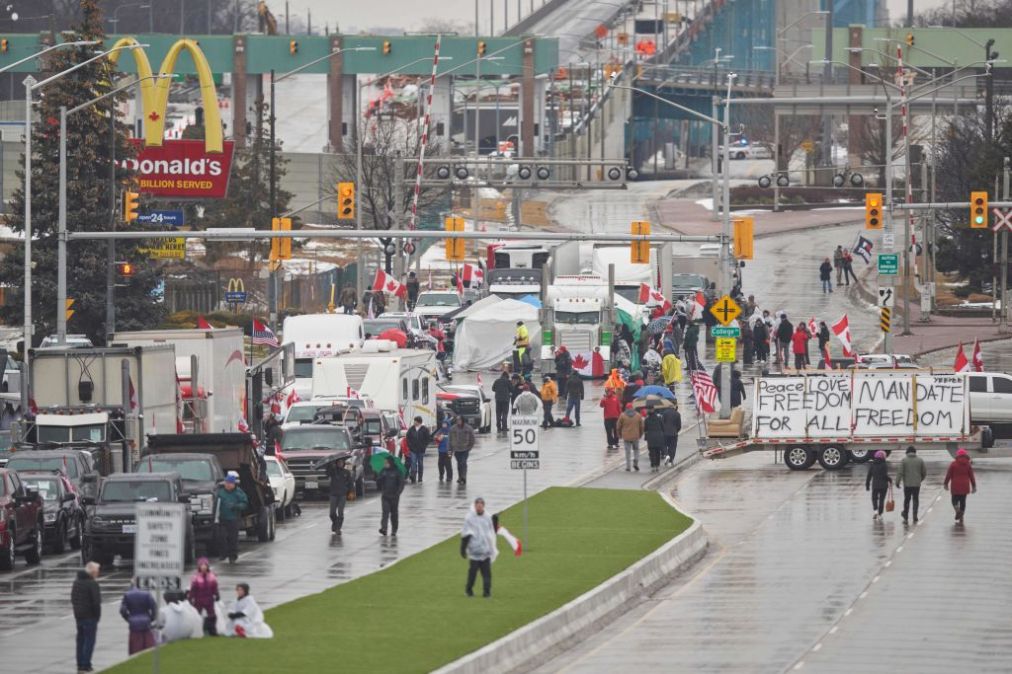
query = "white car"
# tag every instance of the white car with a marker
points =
(473, 390)
(283, 484)
(751, 151)
(305, 410)
(434, 303)
(990, 398)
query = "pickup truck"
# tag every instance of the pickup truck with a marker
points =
(112, 516)
(304, 445)
(21, 522)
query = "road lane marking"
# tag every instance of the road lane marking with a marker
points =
(863, 595)
(799, 665)
(848, 612)
(833, 629)
(817, 647)
(875, 579)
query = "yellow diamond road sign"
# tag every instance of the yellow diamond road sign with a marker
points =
(725, 310)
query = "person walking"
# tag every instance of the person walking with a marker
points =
(139, 609)
(418, 441)
(737, 389)
(960, 482)
(348, 299)
(848, 268)
(502, 391)
(690, 344)
(413, 287)
(761, 340)
(574, 394)
(653, 431)
(838, 263)
(878, 482)
(390, 484)
(672, 427)
(478, 546)
(563, 367)
(203, 593)
(826, 276)
(461, 443)
(549, 394)
(442, 440)
(232, 502)
(909, 476)
(747, 342)
(630, 429)
(784, 334)
(671, 370)
(612, 407)
(799, 346)
(341, 482)
(86, 600)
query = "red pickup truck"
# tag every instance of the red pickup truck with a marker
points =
(21, 521)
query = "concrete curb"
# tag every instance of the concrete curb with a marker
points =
(587, 613)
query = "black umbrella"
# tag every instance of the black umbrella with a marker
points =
(330, 458)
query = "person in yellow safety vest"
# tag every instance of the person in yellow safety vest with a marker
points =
(671, 369)
(521, 341)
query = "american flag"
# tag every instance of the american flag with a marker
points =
(263, 335)
(704, 391)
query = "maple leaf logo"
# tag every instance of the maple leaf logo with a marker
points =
(391, 286)
(154, 116)
(580, 362)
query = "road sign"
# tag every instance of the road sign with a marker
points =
(725, 310)
(888, 240)
(886, 297)
(168, 249)
(885, 319)
(725, 348)
(525, 438)
(722, 331)
(173, 218)
(159, 542)
(1002, 219)
(888, 264)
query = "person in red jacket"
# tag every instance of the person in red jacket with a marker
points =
(612, 407)
(799, 346)
(959, 480)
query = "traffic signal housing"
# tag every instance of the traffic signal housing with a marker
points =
(293, 47)
(978, 210)
(387, 48)
(873, 210)
(346, 201)
(743, 237)
(481, 47)
(124, 270)
(4, 45)
(640, 250)
(131, 206)
(456, 249)
(281, 248)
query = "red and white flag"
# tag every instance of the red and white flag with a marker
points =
(704, 391)
(202, 324)
(474, 275)
(400, 417)
(293, 397)
(961, 364)
(842, 331)
(827, 358)
(813, 327)
(978, 358)
(518, 547)
(651, 297)
(478, 379)
(386, 283)
(698, 306)
(263, 335)
(132, 392)
(460, 284)
(242, 426)
(353, 394)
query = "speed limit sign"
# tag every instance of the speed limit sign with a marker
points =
(525, 442)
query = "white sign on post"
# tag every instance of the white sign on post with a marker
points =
(886, 297)
(159, 545)
(525, 442)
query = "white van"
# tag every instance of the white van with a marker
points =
(318, 335)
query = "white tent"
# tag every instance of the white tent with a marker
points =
(480, 305)
(485, 339)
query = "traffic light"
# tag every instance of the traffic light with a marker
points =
(387, 48)
(346, 201)
(281, 248)
(293, 47)
(131, 205)
(910, 39)
(125, 270)
(4, 45)
(978, 210)
(481, 47)
(640, 250)
(456, 249)
(873, 210)
(67, 308)
(743, 238)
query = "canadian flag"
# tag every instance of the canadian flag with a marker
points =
(460, 284)
(353, 394)
(518, 548)
(387, 283)
(651, 297)
(813, 328)
(474, 276)
(132, 392)
(698, 305)
(293, 397)
(842, 331)
(202, 324)
(961, 364)
(978, 358)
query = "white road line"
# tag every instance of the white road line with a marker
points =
(817, 647)
(863, 595)
(848, 612)
(875, 579)
(833, 629)
(799, 665)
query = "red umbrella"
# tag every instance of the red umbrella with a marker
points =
(395, 335)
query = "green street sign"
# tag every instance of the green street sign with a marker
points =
(888, 264)
(722, 331)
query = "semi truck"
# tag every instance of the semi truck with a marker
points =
(318, 335)
(835, 417)
(212, 392)
(578, 317)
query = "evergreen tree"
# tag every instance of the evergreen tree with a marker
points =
(88, 200)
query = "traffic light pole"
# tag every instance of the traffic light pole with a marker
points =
(272, 292)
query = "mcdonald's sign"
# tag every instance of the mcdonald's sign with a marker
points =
(182, 169)
(236, 292)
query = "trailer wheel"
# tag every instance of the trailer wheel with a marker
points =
(833, 457)
(799, 457)
(860, 455)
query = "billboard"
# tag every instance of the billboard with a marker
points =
(181, 169)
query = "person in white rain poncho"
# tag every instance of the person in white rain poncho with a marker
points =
(478, 545)
(178, 619)
(245, 619)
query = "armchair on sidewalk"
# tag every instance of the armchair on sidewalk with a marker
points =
(727, 428)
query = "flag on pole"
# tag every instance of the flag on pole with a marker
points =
(518, 548)
(704, 391)
(353, 394)
(698, 306)
(651, 297)
(293, 397)
(387, 283)
(400, 417)
(813, 327)
(242, 426)
(474, 276)
(202, 324)
(863, 249)
(263, 335)
(978, 358)
(132, 393)
(961, 364)
(842, 331)
(827, 358)
(460, 284)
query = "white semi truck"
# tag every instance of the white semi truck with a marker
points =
(319, 335)
(578, 315)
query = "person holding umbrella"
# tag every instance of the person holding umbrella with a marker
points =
(390, 483)
(341, 483)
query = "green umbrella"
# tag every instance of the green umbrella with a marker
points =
(378, 462)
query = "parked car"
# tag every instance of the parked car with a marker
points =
(21, 521)
(70, 342)
(990, 398)
(78, 465)
(435, 303)
(469, 401)
(283, 483)
(304, 411)
(303, 446)
(200, 475)
(63, 513)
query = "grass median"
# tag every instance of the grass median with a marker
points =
(414, 616)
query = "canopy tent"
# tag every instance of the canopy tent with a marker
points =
(532, 300)
(474, 308)
(485, 339)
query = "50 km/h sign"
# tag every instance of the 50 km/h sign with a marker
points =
(525, 442)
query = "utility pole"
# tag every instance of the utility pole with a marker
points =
(1003, 324)
(989, 96)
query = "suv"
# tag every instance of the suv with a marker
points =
(77, 464)
(112, 516)
(200, 474)
(21, 521)
(305, 445)
(63, 516)
(469, 401)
